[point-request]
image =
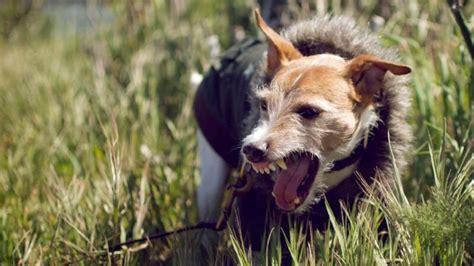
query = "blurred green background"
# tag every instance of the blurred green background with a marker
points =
(97, 135)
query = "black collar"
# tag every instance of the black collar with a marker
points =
(355, 155)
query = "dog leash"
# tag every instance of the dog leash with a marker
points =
(235, 187)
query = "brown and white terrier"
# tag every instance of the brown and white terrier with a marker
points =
(314, 111)
(322, 107)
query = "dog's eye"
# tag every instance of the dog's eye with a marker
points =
(263, 105)
(308, 112)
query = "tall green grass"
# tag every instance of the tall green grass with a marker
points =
(97, 141)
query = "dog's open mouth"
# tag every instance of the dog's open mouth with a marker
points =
(294, 178)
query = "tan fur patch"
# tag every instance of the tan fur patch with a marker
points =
(315, 81)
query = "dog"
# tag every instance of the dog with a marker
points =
(319, 108)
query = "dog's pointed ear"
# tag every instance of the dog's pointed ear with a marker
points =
(367, 73)
(280, 50)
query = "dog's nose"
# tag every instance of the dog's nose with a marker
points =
(253, 153)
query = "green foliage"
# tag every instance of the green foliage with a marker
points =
(21, 19)
(97, 139)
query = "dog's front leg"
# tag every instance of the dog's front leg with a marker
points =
(214, 171)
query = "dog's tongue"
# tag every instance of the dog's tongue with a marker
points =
(286, 185)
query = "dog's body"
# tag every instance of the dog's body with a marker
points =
(319, 114)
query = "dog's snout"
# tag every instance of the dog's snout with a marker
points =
(254, 154)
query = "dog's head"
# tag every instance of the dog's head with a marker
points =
(315, 110)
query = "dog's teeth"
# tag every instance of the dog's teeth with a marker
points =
(272, 167)
(282, 164)
(297, 201)
(267, 170)
(255, 169)
(273, 194)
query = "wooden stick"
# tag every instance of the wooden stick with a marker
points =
(455, 7)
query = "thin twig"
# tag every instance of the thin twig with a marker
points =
(455, 7)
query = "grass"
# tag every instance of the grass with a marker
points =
(97, 140)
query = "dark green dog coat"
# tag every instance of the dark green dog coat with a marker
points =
(221, 105)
